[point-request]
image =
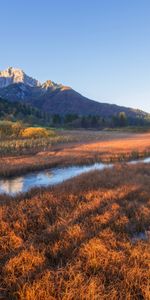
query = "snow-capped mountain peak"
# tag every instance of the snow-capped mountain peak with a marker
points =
(50, 85)
(12, 75)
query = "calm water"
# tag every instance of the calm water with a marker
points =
(141, 236)
(50, 177)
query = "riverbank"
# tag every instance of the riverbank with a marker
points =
(51, 177)
(90, 147)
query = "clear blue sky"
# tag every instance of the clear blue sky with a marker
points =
(101, 48)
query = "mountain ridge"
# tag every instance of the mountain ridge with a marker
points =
(13, 75)
(55, 98)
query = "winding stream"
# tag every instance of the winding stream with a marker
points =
(24, 183)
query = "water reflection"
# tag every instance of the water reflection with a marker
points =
(24, 183)
(45, 178)
(145, 160)
(12, 186)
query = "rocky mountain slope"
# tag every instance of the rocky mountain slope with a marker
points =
(12, 75)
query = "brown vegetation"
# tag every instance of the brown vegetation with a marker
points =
(79, 240)
(89, 147)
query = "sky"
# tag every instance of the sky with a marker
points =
(101, 48)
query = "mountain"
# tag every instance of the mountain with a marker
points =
(12, 75)
(54, 98)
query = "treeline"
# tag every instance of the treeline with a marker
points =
(18, 111)
(97, 122)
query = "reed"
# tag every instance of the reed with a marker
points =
(74, 148)
(77, 240)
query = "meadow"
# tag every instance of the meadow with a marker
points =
(72, 148)
(85, 239)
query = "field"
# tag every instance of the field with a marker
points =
(77, 147)
(86, 239)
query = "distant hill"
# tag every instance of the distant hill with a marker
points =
(54, 98)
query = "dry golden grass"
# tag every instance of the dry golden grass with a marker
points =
(89, 147)
(77, 241)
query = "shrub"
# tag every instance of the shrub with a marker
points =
(8, 129)
(5, 129)
(32, 132)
